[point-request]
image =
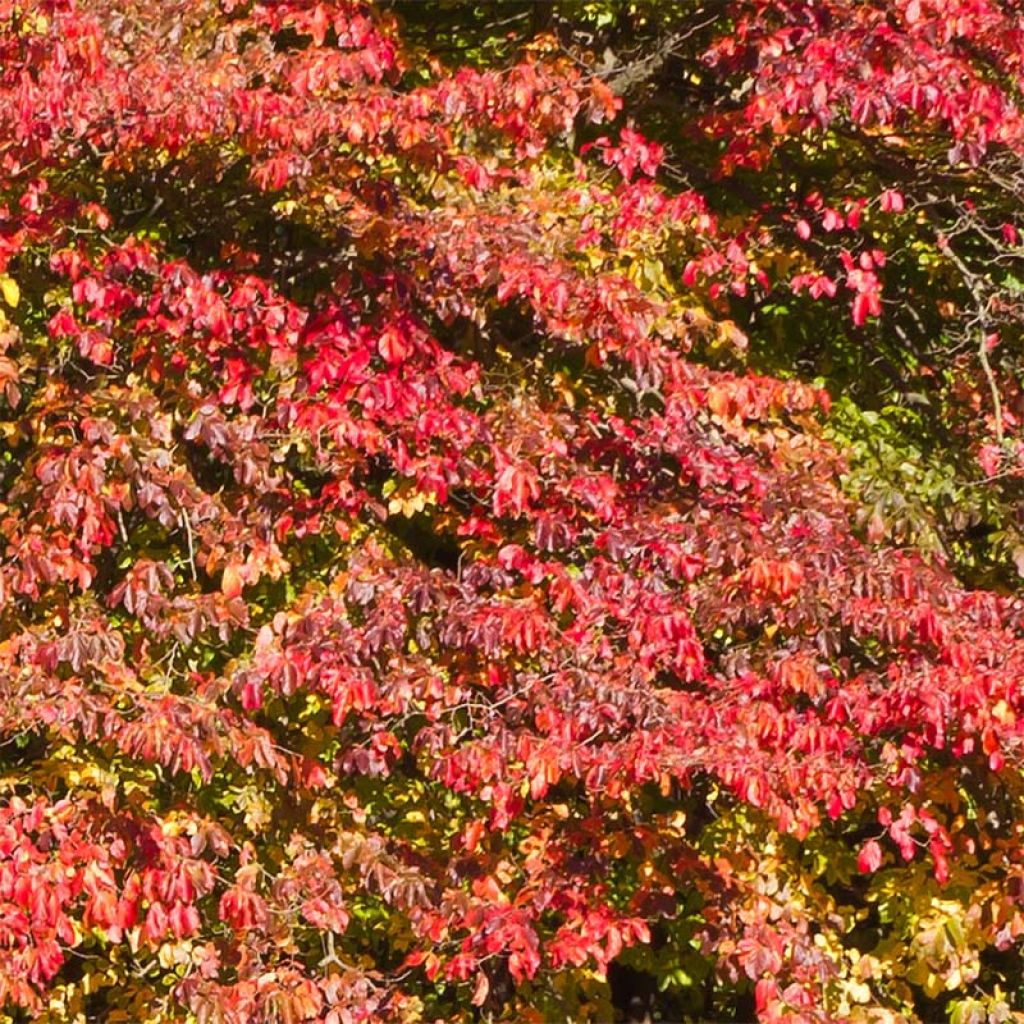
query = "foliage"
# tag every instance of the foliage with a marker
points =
(867, 157)
(411, 607)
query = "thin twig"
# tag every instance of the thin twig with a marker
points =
(974, 286)
(191, 548)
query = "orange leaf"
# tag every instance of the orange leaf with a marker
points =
(231, 582)
(483, 986)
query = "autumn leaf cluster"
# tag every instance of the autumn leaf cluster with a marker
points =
(450, 555)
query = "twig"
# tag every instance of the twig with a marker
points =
(191, 548)
(974, 286)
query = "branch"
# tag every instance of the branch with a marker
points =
(973, 283)
(626, 76)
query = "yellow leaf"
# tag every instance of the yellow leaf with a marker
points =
(409, 505)
(1003, 713)
(10, 290)
(859, 992)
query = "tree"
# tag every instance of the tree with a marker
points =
(831, 136)
(412, 610)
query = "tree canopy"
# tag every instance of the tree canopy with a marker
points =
(511, 511)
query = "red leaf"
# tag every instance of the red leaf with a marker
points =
(891, 201)
(870, 857)
(765, 992)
